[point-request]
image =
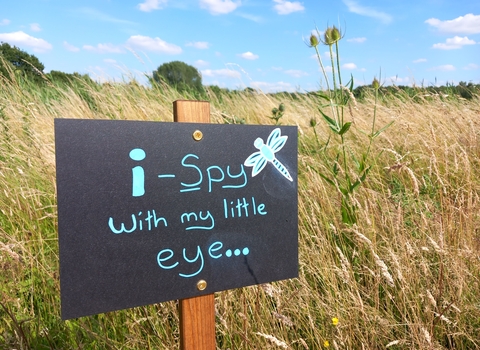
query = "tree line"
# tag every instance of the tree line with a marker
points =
(16, 63)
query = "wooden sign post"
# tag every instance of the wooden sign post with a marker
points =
(197, 314)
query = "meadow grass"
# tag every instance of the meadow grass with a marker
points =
(406, 275)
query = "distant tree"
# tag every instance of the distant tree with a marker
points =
(465, 90)
(216, 92)
(20, 62)
(69, 79)
(180, 76)
(361, 91)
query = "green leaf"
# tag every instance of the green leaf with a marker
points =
(335, 168)
(345, 128)
(331, 182)
(322, 95)
(355, 160)
(344, 191)
(324, 148)
(327, 179)
(354, 185)
(331, 123)
(382, 130)
(365, 173)
(348, 213)
(360, 180)
(350, 83)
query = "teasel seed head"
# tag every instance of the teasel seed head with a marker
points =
(332, 35)
(313, 40)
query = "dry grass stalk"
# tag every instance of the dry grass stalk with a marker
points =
(273, 340)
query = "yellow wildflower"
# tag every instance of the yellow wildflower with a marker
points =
(326, 344)
(334, 321)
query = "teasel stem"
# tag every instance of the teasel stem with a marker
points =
(338, 63)
(314, 42)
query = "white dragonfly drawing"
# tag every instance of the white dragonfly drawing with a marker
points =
(258, 160)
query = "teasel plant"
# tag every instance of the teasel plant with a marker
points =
(347, 171)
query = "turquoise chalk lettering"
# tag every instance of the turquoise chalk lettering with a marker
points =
(186, 218)
(242, 207)
(160, 260)
(242, 173)
(214, 251)
(191, 186)
(138, 174)
(199, 255)
(213, 248)
(212, 179)
(122, 226)
(137, 222)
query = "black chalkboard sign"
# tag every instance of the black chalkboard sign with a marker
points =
(148, 209)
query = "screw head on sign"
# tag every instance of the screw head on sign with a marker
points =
(201, 285)
(197, 135)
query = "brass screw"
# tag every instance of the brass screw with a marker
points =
(197, 135)
(201, 285)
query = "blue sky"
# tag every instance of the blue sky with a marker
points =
(260, 44)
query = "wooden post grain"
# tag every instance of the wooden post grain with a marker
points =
(197, 315)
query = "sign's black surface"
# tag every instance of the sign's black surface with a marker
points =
(145, 211)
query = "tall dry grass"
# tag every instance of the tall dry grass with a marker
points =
(406, 276)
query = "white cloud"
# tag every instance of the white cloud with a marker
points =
(272, 87)
(328, 69)
(349, 66)
(70, 47)
(284, 7)
(201, 45)
(104, 48)
(296, 73)
(252, 18)
(248, 56)
(153, 44)
(224, 73)
(4, 22)
(96, 15)
(454, 43)
(444, 68)
(110, 61)
(357, 40)
(326, 55)
(22, 39)
(468, 24)
(398, 80)
(219, 7)
(150, 5)
(420, 60)
(354, 7)
(201, 63)
(471, 66)
(35, 27)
